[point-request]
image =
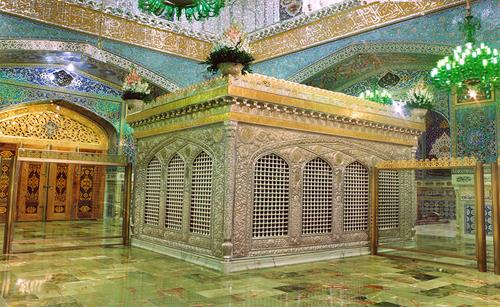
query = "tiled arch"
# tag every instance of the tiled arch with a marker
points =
(91, 52)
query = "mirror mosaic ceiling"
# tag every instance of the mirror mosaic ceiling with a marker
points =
(255, 15)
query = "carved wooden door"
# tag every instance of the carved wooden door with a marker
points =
(5, 156)
(31, 192)
(89, 191)
(60, 186)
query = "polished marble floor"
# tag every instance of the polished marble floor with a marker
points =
(64, 234)
(120, 276)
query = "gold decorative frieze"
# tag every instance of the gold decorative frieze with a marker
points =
(271, 102)
(287, 40)
(442, 163)
(70, 157)
(343, 24)
(44, 124)
(88, 20)
(6, 154)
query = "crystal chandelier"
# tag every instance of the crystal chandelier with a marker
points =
(381, 96)
(471, 65)
(192, 9)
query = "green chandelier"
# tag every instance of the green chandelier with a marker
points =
(381, 96)
(192, 9)
(472, 64)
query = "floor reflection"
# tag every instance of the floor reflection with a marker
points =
(133, 277)
(63, 234)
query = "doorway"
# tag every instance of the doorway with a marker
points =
(59, 191)
(59, 186)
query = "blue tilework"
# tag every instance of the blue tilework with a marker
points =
(15, 94)
(39, 76)
(470, 219)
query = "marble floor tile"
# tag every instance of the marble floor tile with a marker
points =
(123, 276)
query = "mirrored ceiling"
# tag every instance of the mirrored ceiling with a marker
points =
(255, 15)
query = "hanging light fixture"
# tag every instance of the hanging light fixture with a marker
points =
(471, 65)
(192, 9)
(377, 95)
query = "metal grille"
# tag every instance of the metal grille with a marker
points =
(270, 197)
(388, 200)
(152, 202)
(175, 193)
(201, 195)
(356, 197)
(317, 197)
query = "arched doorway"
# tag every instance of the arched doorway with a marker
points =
(49, 191)
(62, 183)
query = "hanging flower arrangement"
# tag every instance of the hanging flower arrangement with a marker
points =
(231, 49)
(420, 97)
(135, 87)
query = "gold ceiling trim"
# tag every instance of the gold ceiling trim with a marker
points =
(344, 24)
(87, 20)
(337, 26)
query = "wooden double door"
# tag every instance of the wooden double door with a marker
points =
(60, 191)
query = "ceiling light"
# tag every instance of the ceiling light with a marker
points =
(377, 95)
(471, 64)
(192, 9)
(472, 94)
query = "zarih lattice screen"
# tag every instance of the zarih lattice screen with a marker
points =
(388, 199)
(317, 197)
(270, 197)
(175, 193)
(355, 197)
(201, 195)
(152, 199)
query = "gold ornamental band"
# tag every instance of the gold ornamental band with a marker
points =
(340, 25)
(90, 21)
(273, 122)
(344, 24)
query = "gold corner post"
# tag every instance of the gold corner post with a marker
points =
(480, 218)
(126, 209)
(374, 211)
(495, 206)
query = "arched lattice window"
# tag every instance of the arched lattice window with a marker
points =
(388, 199)
(201, 195)
(152, 199)
(271, 197)
(175, 193)
(356, 197)
(317, 197)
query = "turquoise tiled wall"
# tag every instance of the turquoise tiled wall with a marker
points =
(166, 65)
(439, 28)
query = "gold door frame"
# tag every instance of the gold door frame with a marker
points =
(32, 155)
(495, 206)
(453, 163)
